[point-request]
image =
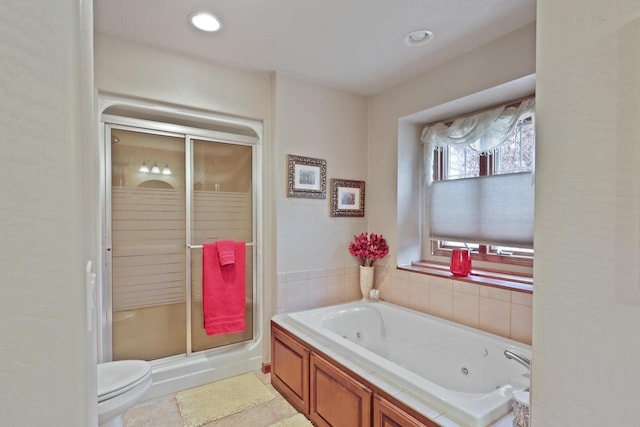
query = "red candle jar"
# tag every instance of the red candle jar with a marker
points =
(461, 262)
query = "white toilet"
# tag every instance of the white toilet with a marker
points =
(121, 385)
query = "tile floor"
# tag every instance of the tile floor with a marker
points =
(164, 412)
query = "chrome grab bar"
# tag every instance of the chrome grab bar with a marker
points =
(518, 358)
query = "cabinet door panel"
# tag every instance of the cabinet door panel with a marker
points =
(386, 414)
(336, 399)
(290, 370)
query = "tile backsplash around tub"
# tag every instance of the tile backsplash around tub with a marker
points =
(498, 311)
(306, 289)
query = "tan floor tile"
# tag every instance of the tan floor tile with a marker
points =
(271, 389)
(168, 422)
(264, 378)
(166, 405)
(139, 416)
(165, 413)
(282, 408)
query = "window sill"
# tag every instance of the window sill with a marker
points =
(509, 281)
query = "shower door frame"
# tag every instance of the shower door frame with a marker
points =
(188, 134)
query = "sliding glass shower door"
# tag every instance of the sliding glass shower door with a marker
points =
(148, 245)
(222, 209)
(170, 193)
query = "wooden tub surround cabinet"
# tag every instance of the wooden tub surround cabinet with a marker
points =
(369, 363)
(329, 394)
(290, 369)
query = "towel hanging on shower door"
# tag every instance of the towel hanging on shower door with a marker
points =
(223, 287)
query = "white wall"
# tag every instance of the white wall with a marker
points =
(314, 264)
(48, 232)
(587, 271)
(410, 181)
(152, 74)
(315, 121)
(503, 60)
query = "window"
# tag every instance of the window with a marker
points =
(477, 197)
(512, 156)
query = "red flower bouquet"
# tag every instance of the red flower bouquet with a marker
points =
(368, 248)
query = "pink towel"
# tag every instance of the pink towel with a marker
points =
(223, 290)
(226, 252)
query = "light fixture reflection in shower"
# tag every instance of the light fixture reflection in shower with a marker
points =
(155, 168)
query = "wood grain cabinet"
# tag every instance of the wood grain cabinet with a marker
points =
(386, 414)
(337, 399)
(290, 370)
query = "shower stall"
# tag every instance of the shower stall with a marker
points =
(174, 179)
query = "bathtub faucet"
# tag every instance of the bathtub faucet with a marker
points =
(518, 358)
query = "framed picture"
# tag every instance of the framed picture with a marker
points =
(347, 197)
(306, 177)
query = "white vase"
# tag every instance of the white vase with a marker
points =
(366, 280)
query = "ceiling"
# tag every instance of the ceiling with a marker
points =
(354, 45)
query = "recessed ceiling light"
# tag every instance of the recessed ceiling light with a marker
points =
(418, 38)
(205, 21)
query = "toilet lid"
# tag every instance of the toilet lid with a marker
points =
(115, 378)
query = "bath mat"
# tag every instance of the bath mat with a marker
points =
(295, 421)
(201, 405)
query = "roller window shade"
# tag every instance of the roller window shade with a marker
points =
(491, 210)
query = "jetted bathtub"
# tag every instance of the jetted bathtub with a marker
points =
(458, 372)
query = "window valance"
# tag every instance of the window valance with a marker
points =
(482, 132)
